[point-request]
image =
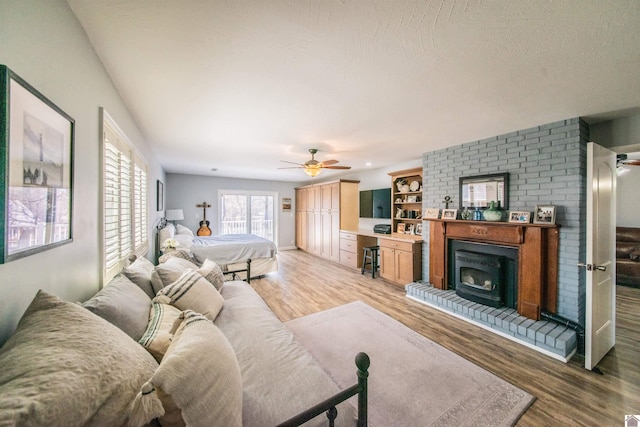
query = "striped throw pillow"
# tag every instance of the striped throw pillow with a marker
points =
(158, 335)
(192, 292)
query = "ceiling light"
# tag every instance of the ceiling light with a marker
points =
(312, 170)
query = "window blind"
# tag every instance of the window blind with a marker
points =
(125, 209)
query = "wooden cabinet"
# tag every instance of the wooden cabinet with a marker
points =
(351, 244)
(406, 200)
(400, 261)
(327, 208)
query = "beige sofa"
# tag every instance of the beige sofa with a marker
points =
(72, 364)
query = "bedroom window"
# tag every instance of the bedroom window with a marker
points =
(125, 212)
(247, 213)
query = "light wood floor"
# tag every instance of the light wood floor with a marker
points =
(566, 394)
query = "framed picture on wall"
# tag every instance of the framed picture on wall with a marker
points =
(159, 195)
(545, 214)
(36, 164)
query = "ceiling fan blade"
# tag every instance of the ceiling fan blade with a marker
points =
(632, 162)
(329, 162)
(293, 167)
(293, 163)
(337, 167)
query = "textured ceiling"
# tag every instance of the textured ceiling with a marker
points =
(241, 85)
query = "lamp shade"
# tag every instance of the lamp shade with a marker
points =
(174, 215)
(312, 171)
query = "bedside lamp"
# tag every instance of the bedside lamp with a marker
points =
(174, 215)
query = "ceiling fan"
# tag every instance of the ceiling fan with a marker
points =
(313, 167)
(622, 160)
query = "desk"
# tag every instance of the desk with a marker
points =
(400, 254)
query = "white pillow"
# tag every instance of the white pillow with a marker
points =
(168, 272)
(192, 292)
(213, 273)
(158, 336)
(197, 383)
(166, 233)
(181, 229)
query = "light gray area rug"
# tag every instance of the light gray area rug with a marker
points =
(412, 380)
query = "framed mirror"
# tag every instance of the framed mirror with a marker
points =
(480, 190)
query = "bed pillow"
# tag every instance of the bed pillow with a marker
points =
(166, 233)
(197, 383)
(192, 292)
(159, 332)
(169, 271)
(180, 253)
(139, 272)
(181, 229)
(122, 304)
(66, 365)
(213, 273)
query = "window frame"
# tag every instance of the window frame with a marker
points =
(128, 206)
(248, 194)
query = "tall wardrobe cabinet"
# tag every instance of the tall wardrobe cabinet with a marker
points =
(322, 210)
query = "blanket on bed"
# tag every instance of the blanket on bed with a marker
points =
(230, 248)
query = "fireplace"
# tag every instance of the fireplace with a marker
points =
(479, 277)
(486, 274)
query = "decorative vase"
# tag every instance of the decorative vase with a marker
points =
(492, 213)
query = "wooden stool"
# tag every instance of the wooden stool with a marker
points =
(370, 257)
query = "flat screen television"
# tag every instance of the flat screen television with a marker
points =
(375, 203)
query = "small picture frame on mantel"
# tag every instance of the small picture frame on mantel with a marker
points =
(449, 213)
(520, 217)
(431, 213)
(401, 228)
(545, 214)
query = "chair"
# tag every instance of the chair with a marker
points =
(370, 257)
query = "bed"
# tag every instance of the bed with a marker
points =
(230, 251)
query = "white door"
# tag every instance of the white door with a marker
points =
(600, 325)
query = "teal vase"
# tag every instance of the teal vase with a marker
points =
(492, 213)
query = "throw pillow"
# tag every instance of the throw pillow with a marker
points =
(199, 376)
(139, 272)
(180, 253)
(181, 229)
(169, 271)
(213, 273)
(66, 366)
(166, 233)
(158, 335)
(122, 304)
(192, 292)
(635, 255)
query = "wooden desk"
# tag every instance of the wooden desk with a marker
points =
(400, 254)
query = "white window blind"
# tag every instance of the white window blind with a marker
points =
(125, 201)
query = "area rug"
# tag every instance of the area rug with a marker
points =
(412, 380)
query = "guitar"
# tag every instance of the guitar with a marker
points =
(204, 229)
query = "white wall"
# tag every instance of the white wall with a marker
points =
(628, 198)
(186, 191)
(44, 44)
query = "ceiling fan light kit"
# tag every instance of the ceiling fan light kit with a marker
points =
(313, 167)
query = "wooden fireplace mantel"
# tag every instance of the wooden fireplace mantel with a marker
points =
(537, 246)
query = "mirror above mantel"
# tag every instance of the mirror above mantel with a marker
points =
(479, 191)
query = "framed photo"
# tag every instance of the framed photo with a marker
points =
(159, 195)
(418, 229)
(449, 213)
(410, 229)
(286, 204)
(545, 214)
(431, 213)
(412, 199)
(36, 162)
(520, 216)
(401, 228)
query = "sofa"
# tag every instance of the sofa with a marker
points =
(628, 256)
(172, 344)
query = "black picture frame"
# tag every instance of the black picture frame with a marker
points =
(159, 196)
(497, 179)
(36, 170)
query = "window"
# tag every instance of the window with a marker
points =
(244, 212)
(124, 207)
